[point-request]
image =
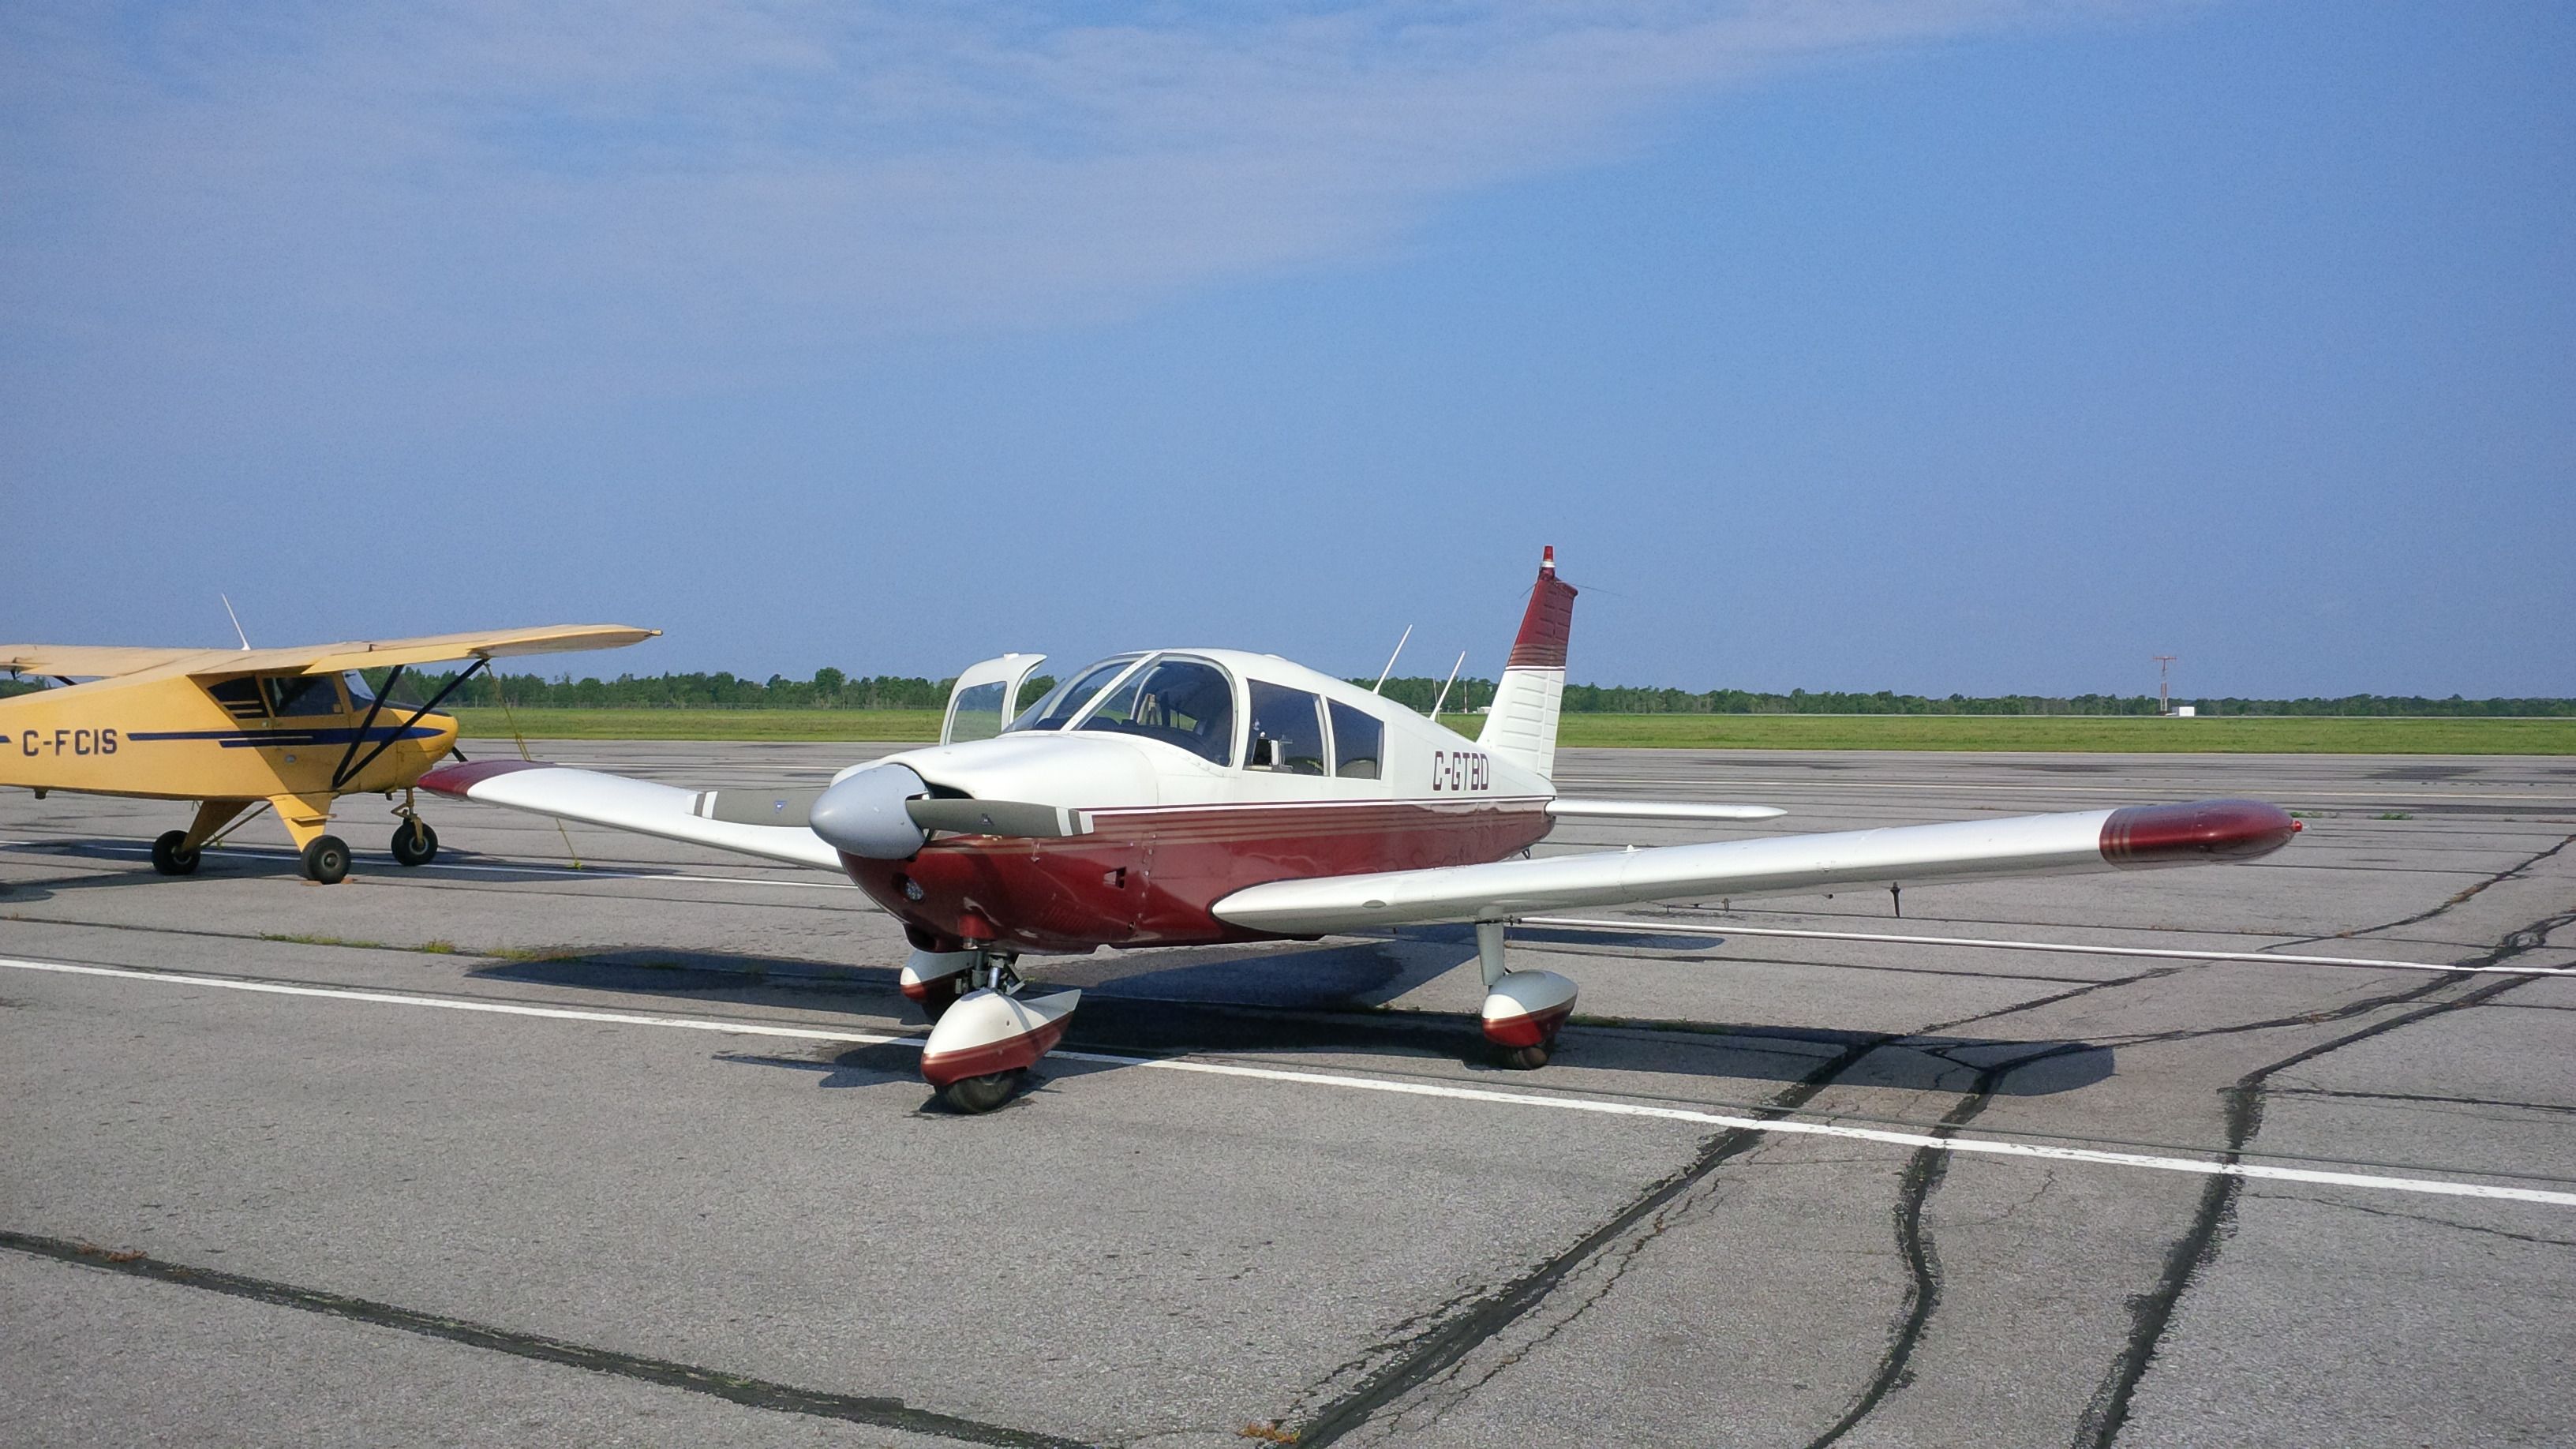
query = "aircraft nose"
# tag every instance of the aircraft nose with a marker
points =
(864, 814)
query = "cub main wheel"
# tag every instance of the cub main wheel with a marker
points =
(171, 855)
(980, 1094)
(415, 843)
(326, 859)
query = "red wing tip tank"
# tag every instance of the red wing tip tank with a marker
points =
(1182, 797)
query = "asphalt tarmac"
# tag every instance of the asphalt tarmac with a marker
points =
(503, 1151)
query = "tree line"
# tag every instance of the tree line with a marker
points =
(832, 689)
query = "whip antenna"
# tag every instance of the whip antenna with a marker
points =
(236, 618)
(1380, 686)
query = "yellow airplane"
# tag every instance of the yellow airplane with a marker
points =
(233, 729)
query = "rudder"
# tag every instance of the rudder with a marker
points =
(1521, 724)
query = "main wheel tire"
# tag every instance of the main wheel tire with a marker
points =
(1528, 1058)
(980, 1094)
(415, 843)
(326, 860)
(171, 855)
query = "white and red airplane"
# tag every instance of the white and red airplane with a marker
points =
(1193, 796)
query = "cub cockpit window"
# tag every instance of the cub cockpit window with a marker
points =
(1182, 702)
(1287, 731)
(1359, 742)
(239, 697)
(291, 695)
(1066, 700)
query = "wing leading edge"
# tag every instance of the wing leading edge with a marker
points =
(2205, 832)
(619, 803)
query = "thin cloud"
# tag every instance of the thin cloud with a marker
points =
(314, 190)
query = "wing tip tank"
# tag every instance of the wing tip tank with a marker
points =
(2202, 832)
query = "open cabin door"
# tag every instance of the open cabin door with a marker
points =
(985, 697)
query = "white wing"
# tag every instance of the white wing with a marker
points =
(2207, 832)
(638, 805)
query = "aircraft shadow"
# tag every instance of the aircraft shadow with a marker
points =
(1307, 1000)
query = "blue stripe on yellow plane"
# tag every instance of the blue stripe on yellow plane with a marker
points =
(233, 729)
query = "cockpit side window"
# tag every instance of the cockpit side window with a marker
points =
(300, 694)
(1066, 700)
(1181, 702)
(239, 697)
(1287, 730)
(1359, 742)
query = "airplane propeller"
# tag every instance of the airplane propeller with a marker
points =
(886, 812)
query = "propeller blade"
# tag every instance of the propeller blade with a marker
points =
(993, 817)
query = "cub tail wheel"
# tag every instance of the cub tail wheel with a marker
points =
(171, 855)
(326, 859)
(414, 842)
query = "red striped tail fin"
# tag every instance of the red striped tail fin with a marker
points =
(1521, 725)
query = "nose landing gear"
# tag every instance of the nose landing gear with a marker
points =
(985, 1042)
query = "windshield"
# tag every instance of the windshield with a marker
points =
(1183, 702)
(1067, 699)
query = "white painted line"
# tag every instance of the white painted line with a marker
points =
(265, 853)
(2167, 953)
(1784, 1126)
(1793, 1127)
(444, 1003)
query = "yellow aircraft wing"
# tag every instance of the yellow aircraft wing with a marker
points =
(107, 661)
(382, 653)
(77, 661)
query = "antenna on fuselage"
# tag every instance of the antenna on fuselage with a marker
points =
(236, 618)
(1444, 686)
(1380, 686)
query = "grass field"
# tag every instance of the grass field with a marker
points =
(2109, 734)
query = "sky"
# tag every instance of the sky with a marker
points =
(1974, 346)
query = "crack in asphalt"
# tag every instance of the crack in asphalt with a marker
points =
(880, 1413)
(1440, 1347)
(2518, 871)
(2152, 1312)
(2419, 1097)
(2425, 1218)
(1929, 1167)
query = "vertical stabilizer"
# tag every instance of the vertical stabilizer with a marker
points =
(1521, 726)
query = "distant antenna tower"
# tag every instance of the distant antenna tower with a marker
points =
(2164, 682)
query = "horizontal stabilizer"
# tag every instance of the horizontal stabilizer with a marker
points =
(2206, 832)
(619, 803)
(1658, 810)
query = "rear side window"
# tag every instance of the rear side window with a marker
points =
(1293, 722)
(1359, 740)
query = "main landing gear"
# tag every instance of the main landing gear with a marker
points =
(984, 1042)
(1524, 1010)
(173, 855)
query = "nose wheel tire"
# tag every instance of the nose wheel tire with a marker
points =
(171, 856)
(980, 1094)
(326, 860)
(1528, 1058)
(415, 843)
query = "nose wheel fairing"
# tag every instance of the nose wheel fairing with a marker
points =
(985, 1041)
